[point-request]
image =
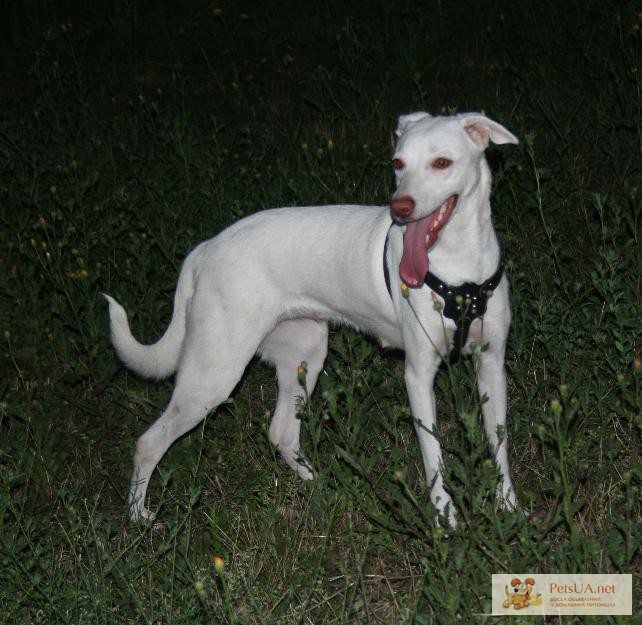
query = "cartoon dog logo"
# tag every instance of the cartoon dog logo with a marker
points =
(520, 594)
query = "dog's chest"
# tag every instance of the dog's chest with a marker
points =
(475, 335)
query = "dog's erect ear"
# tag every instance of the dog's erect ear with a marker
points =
(482, 130)
(406, 120)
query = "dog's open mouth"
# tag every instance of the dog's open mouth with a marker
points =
(420, 237)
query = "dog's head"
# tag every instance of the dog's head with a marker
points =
(439, 162)
(437, 158)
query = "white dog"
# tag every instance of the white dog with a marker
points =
(270, 283)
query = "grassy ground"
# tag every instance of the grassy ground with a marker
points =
(131, 132)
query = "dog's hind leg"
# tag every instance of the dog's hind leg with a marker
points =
(181, 415)
(211, 367)
(291, 343)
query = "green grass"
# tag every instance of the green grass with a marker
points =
(129, 134)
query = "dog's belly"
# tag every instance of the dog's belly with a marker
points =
(386, 334)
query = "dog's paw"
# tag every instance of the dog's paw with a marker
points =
(447, 519)
(298, 464)
(304, 469)
(140, 514)
(506, 498)
(446, 514)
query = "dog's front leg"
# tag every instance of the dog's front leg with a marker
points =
(419, 383)
(491, 382)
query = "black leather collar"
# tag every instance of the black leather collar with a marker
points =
(462, 303)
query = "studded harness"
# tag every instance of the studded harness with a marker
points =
(463, 303)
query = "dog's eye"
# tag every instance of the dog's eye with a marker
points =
(441, 163)
(397, 163)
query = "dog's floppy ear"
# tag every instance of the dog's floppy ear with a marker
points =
(482, 130)
(515, 582)
(530, 581)
(406, 120)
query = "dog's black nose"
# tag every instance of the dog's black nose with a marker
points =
(402, 207)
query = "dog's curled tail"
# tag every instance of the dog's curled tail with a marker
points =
(160, 359)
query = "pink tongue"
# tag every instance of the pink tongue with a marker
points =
(414, 260)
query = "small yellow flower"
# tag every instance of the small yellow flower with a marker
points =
(219, 564)
(405, 291)
(330, 144)
(302, 371)
(217, 11)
